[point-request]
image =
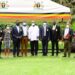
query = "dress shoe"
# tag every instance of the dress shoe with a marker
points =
(64, 56)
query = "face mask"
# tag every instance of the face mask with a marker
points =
(54, 23)
(67, 26)
(24, 24)
(44, 24)
(33, 24)
(17, 24)
(7, 28)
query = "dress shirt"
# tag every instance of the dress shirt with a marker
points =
(25, 30)
(54, 27)
(33, 33)
(18, 28)
(66, 32)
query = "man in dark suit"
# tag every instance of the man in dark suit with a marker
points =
(55, 36)
(1, 39)
(16, 35)
(44, 36)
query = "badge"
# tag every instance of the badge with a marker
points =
(56, 30)
(47, 29)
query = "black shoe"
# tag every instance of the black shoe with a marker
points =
(56, 54)
(32, 54)
(19, 56)
(52, 55)
(44, 55)
(64, 56)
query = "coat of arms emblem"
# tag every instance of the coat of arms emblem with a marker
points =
(4, 4)
(38, 5)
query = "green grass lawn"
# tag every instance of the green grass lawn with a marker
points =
(37, 65)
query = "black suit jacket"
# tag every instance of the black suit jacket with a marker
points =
(55, 34)
(47, 32)
(15, 34)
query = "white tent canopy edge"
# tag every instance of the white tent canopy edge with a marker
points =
(27, 6)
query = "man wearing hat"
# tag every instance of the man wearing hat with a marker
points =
(24, 39)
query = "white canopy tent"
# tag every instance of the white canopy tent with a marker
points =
(27, 6)
(11, 10)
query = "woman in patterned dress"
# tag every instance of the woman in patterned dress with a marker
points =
(7, 40)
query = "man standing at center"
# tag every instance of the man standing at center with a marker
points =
(33, 35)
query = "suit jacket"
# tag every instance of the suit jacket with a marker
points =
(55, 34)
(15, 34)
(47, 32)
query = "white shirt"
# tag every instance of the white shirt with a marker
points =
(33, 33)
(66, 32)
(18, 28)
(54, 27)
(25, 30)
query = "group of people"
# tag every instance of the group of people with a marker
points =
(21, 33)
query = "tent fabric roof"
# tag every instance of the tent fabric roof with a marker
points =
(27, 6)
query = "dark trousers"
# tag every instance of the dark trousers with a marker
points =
(34, 47)
(55, 43)
(45, 46)
(0, 48)
(16, 47)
